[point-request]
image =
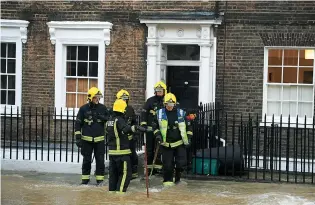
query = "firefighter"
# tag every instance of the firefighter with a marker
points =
(89, 132)
(147, 115)
(131, 118)
(117, 129)
(174, 132)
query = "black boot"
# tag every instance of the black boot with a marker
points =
(178, 174)
(99, 182)
(85, 181)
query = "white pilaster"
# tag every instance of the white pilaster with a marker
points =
(205, 72)
(151, 60)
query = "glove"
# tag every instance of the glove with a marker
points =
(78, 141)
(191, 117)
(140, 128)
(189, 141)
(158, 138)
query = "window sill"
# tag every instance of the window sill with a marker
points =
(286, 125)
(10, 111)
(66, 114)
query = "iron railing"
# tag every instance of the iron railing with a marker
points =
(223, 145)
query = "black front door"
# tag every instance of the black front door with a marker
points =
(183, 82)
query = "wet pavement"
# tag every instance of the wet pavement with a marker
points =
(43, 188)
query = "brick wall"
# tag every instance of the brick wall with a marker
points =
(125, 57)
(249, 25)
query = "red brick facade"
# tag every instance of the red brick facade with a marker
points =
(249, 27)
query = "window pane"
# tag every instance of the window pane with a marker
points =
(274, 75)
(11, 66)
(289, 108)
(305, 60)
(305, 93)
(82, 85)
(11, 97)
(289, 92)
(274, 92)
(71, 85)
(183, 52)
(275, 57)
(290, 57)
(81, 100)
(93, 69)
(3, 81)
(289, 75)
(93, 83)
(70, 102)
(305, 109)
(93, 53)
(3, 66)
(11, 50)
(82, 68)
(11, 81)
(3, 50)
(71, 68)
(83, 53)
(3, 97)
(71, 52)
(306, 75)
(273, 108)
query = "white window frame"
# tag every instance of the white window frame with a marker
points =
(285, 120)
(76, 33)
(15, 31)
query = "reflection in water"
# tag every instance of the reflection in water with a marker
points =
(35, 188)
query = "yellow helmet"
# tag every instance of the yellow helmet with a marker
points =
(94, 92)
(123, 94)
(170, 99)
(159, 86)
(119, 106)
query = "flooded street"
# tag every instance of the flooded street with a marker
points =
(43, 188)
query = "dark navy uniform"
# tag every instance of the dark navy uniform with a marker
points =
(89, 131)
(148, 115)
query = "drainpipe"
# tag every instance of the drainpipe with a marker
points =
(224, 22)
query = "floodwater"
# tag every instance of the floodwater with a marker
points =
(43, 188)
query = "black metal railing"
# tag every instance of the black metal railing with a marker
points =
(41, 134)
(249, 147)
(237, 146)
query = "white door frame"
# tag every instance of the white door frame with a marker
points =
(199, 32)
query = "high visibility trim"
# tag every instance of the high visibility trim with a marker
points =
(175, 144)
(98, 139)
(88, 121)
(123, 180)
(168, 183)
(119, 152)
(152, 112)
(85, 176)
(156, 166)
(149, 128)
(135, 175)
(91, 139)
(133, 128)
(189, 133)
(156, 131)
(116, 135)
(99, 177)
(77, 132)
(99, 121)
(120, 192)
(143, 123)
(87, 138)
(130, 137)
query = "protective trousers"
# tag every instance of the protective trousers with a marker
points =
(151, 147)
(168, 155)
(99, 151)
(134, 157)
(119, 173)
